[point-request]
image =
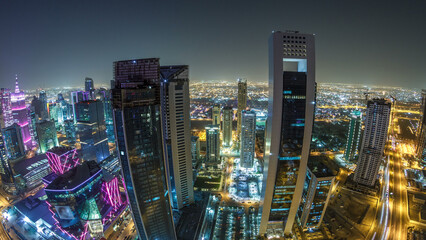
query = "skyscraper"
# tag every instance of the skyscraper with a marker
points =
(289, 128)
(7, 179)
(44, 113)
(421, 142)
(47, 136)
(138, 126)
(6, 105)
(89, 87)
(20, 115)
(177, 137)
(248, 138)
(228, 114)
(76, 97)
(242, 102)
(195, 150)
(373, 141)
(91, 130)
(354, 136)
(213, 145)
(12, 136)
(69, 128)
(216, 115)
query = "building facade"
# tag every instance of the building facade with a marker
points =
(228, 114)
(213, 145)
(6, 173)
(421, 142)
(354, 136)
(216, 115)
(47, 136)
(20, 115)
(138, 126)
(91, 130)
(177, 136)
(6, 107)
(248, 138)
(12, 136)
(288, 129)
(373, 142)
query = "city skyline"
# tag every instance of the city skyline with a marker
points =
(42, 41)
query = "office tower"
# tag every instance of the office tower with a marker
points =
(248, 138)
(354, 136)
(33, 118)
(91, 130)
(421, 142)
(288, 129)
(12, 136)
(216, 115)
(373, 141)
(138, 126)
(242, 102)
(20, 115)
(89, 87)
(47, 136)
(6, 107)
(228, 114)
(195, 150)
(213, 145)
(69, 128)
(177, 136)
(7, 179)
(62, 159)
(44, 113)
(36, 105)
(76, 97)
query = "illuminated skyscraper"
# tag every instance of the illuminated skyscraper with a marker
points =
(216, 115)
(44, 113)
(91, 130)
(47, 136)
(12, 136)
(354, 136)
(421, 142)
(289, 128)
(228, 114)
(6, 105)
(62, 159)
(69, 127)
(373, 141)
(195, 150)
(213, 145)
(76, 97)
(177, 136)
(20, 115)
(242, 102)
(89, 87)
(7, 180)
(138, 126)
(248, 138)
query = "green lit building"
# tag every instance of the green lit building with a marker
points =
(47, 136)
(354, 136)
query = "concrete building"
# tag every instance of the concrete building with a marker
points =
(373, 142)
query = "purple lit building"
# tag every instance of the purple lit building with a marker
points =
(20, 115)
(62, 159)
(6, 107)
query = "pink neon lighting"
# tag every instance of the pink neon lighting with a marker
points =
(27, 140)
(111, 193)
(57, 222)
(63, 163)
(19, 108)
(83, 235)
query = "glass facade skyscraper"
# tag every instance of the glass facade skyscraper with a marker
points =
(213, 145)
(6, 172)
(47, 136)
(138, 125)
(242, 102)
(12, 136)
(20, 115)
(228, 114)
(289, 128)
(354, 136)
(248, 138)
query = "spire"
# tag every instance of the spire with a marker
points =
(16, 84)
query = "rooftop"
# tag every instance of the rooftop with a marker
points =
(60, 150)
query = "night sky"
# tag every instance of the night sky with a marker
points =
(58, 43)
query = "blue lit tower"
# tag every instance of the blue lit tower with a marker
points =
(248, 138)
(91, 130)
(138, 126)
(354, 135)
(177, 136)
(373, 141)
(289, 128)
(89, 87)
(6, 173)
(12, 136)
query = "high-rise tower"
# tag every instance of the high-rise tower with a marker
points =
(89, 87)
(6, 107)
(373, 141)
(213, 145)
(354, 136)
(421, 142)
(289, 128)
(228, 114)
(20, 115)
(242, 102)
(248, 138)
(138, 126)
(6, 173)
(177, 137)
(216, 114)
